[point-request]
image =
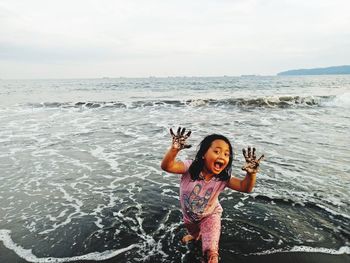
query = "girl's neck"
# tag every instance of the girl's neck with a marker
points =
(207, 175)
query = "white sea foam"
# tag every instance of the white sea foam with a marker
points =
(341, 250)
(341, 100)
(238, 205)
(198, 102)
(333, 212)
(109, 158)
(73, 202)
(5, 237)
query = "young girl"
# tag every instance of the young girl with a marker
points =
(202, 180)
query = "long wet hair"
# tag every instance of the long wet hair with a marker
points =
(198, 163)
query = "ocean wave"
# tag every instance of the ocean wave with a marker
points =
(303, 203)
(341, 250)
(260, 102)
(27, 254)
(277, 101)
(341, 100)
(5, 237)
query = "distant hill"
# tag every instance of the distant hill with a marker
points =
(318, 71)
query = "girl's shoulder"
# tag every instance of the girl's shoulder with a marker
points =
(186, 175)
(187, 164)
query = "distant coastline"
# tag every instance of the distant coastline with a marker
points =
(318, 71)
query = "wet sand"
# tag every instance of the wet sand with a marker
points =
(8, 256)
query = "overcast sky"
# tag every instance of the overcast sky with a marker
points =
(134, 38)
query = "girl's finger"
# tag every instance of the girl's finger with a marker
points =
(254, 156)
(249, 152)
(178, 130)
(246, 167)
(171, 132)
(245, 154)
(260, 159)
(188, 134)
(183, 131)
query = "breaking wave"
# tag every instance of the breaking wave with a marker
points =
(303, 203)
(27, 254)
(261, 102)
(341, 250)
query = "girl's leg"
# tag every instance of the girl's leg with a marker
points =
(193, 232)
(210, 229)
(187, 238)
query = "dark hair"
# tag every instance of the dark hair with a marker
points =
(198, 163)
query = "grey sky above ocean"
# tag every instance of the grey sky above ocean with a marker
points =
(88, 39)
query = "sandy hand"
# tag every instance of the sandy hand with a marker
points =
(179, 139)
(252, 164)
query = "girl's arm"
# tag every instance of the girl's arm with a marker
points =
(246, 185)
(251, 167)
(169, 162)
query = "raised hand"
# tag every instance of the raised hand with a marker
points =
(179, 139)
(252, 164)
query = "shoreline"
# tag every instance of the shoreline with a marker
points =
(8, 255)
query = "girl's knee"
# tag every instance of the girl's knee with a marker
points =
(212, 256)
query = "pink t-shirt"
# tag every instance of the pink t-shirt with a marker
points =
(199, 198)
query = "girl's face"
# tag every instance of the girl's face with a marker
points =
(217, 157)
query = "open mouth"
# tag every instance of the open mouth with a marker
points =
(218, 165)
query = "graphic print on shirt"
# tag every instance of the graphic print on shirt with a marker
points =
(194, 203)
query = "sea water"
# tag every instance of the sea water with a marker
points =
(80, 165)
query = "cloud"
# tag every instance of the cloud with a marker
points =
(155, 32)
